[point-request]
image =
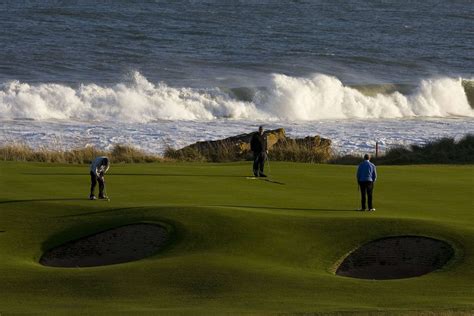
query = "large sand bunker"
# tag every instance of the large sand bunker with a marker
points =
(118, 245)
(396, 258)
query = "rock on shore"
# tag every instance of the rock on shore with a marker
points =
(238, 147)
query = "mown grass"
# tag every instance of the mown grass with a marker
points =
(241, 246)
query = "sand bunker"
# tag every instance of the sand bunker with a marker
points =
(396, 258)
(122, 244)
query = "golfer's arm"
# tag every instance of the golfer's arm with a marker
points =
(96, 171)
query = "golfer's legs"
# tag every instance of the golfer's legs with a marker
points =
(363, 193)
(93, 182)
(101, 186)
(255, 163)
(370, 189)
(262, 158)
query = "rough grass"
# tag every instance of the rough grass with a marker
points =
(300, 152)
(441, 151)
(118, 154)
(240, 246)
(187, 154)
(220, 153)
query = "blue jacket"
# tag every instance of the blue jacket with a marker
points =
(97, 167)
(366, 172)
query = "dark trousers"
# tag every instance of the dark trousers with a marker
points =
(259, 162)
(366, 189)
(94, 180)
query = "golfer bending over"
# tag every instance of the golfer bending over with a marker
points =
(258, 144)
(366, 176)
(99, 167)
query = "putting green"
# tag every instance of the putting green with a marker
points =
(239, 245)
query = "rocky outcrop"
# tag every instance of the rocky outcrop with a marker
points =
(238, 147)
(242, 142)
(314, 149)
(309, 142)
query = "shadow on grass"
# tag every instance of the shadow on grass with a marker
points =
(140, 174)
(287, 208)
(272, 181)
(43, 200)
(76, 231)
(159, 175)
(98, 212)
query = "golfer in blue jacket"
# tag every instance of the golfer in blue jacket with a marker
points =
(366, 176)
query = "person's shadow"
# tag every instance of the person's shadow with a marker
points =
(285, 208)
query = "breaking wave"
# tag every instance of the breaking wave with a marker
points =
(283, 98)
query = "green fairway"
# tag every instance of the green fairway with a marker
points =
(239, 245)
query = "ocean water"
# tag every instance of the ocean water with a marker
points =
(168, 73)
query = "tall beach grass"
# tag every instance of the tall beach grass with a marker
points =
(441, 151)
(84, 155)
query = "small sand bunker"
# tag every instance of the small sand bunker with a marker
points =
(396, 258)
(118, 245)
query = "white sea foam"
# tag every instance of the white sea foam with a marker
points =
(347, 135)
(139, 101)
(285, 98)
(152, 116)
(325, 97)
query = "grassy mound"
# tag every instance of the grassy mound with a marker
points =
(239, 245)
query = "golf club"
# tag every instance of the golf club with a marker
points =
(269, 168)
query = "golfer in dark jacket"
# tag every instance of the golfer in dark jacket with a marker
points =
(98, 168)
(366, 176)
(258, 144)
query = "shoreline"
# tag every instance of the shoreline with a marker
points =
(348, 136)
(441, 151)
